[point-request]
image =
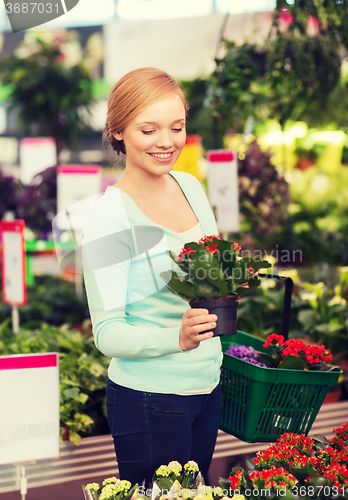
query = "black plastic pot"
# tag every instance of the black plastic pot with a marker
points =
(226, 311)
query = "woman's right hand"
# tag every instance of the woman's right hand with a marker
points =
(195, 321)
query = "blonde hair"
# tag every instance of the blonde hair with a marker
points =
(132, 94)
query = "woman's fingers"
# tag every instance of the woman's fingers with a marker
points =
(194, 322)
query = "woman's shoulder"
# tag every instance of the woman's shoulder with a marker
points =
(109, 214)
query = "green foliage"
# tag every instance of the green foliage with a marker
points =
(200, 115)
(83, 371)
(237, 91)
(318, 214)
(317, 312)
(332, 15)
(51, 300)
(301, 70)
(49, 92)
(296, 74)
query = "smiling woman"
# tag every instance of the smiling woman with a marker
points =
(163, 392)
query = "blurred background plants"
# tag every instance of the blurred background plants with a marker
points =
(50, 82)
(83, 373)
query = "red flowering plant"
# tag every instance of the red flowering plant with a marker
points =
(295, 354)
(213, 268)
(296, 467)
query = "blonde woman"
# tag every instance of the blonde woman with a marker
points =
(163, 394)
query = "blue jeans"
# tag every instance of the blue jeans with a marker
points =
(152, 429)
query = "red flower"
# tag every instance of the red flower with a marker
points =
(212, 249)
(274, 339)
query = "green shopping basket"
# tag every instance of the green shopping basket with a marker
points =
(260, 404)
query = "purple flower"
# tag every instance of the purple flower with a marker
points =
(245, 353)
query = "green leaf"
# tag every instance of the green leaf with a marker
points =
(206, 291)
(177, 286)
(292, 363)
(266, 359)
(224, 483)
(302, 473)
(164, 483)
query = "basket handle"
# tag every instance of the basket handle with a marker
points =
(289, 285)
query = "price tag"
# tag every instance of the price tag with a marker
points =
(13, 265)
(223, 189)
(78, 188)
(36, 154)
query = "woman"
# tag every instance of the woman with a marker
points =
(163, 397)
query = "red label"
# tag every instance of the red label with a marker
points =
(78, 169)
(220, 156)
(28, 361)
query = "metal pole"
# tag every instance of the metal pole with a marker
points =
(23, 482)
(78, 259)
(15, 318)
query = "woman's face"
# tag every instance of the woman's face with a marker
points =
(154, 139)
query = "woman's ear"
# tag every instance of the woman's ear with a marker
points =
(118, 136)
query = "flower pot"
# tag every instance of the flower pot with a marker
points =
(225, 309)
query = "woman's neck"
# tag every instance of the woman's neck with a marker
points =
(143, 185)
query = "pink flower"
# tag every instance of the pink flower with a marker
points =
(312, 27)
(285, 20)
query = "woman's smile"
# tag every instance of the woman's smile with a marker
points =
(162, 157)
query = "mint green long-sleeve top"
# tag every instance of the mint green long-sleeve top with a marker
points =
(136, 319)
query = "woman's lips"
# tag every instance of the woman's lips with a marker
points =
(162, 157)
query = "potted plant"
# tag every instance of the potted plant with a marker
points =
(214, 276)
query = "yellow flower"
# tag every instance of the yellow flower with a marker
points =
(175, 467)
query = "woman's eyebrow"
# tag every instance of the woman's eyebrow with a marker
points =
(179, 120)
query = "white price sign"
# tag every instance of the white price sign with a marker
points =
(29, 410)
(36, 154)
(223, 188)
(14, 287)
(77, 185)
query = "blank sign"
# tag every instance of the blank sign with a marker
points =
(29, 407)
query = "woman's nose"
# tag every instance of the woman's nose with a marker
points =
(164, 139)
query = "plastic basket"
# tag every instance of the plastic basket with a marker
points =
(259, 404)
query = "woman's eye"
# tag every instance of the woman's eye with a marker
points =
(147, 132)
(177, 129)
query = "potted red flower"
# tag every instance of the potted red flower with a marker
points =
(214, 276)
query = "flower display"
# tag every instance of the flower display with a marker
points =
(296, 467)
(213, 268)
(293, 467)
(291, 354)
